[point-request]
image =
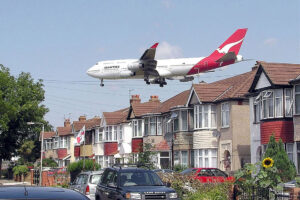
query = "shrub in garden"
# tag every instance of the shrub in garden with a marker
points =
(179, 168)
(48, 162)
(192, 189)
(83, 165)
(284, 165)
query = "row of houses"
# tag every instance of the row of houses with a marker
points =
(223, 124)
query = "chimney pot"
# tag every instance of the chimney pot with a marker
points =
(153, 98)
(135, 99)
(82, 118)
(67, 123)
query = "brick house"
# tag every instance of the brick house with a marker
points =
(221, 134)
(85, 150)
(176, 141)
(49, 152)
(63, 144)
(296, 120)
(116, 137)
(271, 108)
(140, 125)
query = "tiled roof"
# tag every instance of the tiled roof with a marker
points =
(61, 131)
(48, 135)
(89, 124)
(281, 73)
(234, 87)
(140, 109)
(178, 100)
(117, 117)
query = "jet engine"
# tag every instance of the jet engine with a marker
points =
(187, 79)
(135, 66)
(127, 73)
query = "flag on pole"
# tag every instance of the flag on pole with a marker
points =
(80, 136)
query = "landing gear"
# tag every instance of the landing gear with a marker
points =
(146, 79)
(101, 83)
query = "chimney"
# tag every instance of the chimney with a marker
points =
(67, 123)
(153, 98)
(135, 99)
(82, 118)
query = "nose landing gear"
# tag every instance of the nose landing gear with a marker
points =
(101, 83)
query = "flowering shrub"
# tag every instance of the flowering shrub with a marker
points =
(260, 175)
(192, 189)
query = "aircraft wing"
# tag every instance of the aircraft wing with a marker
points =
(149, 54)
(227, 57)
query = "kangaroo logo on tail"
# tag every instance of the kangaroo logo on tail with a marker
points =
(226, 48)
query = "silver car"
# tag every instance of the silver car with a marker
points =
(86, 183)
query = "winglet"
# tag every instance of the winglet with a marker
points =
(154, 46)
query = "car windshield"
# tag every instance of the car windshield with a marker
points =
(188, 171)
(95, 178)
(217, 172)
(140, 179)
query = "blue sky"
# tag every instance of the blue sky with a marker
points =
(57, 41)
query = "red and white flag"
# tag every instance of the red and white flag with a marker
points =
(80, 136)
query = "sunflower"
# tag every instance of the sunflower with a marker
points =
(267, 162)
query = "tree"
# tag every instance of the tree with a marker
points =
(284, 165)
(26, 151)
(20, 102)
(146, 154)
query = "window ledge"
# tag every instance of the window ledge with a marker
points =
(225, 127)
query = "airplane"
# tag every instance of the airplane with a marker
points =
(182, 69)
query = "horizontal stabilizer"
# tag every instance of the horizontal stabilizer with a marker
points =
(227, 57)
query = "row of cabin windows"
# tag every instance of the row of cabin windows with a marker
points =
(273, 104)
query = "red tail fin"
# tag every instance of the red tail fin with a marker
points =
(232, 44)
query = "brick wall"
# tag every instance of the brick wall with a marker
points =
(281, 129)
(110, 148)
(61, 153)
(136, 144)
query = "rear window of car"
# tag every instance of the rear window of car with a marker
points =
(188, 171)
(217, 172)
(95, 178)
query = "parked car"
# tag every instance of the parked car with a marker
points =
(206, 175)
(22, 192)
(119, 183)
(86, 183)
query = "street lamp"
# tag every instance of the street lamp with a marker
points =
(173, 116)
(42, 144)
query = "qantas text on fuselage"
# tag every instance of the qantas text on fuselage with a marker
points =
(182, 69)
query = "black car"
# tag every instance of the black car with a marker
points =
(27, 192)
(118, 183)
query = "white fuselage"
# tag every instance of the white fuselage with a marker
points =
(121, 69)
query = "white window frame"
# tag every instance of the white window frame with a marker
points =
(225, 112)
(290, 152)
(201, 156)
(63, 142)
(111, 133)
(296, 93)
(55, 143)
(137, 128)
(278, 99)
(120, 132)
(203, 113)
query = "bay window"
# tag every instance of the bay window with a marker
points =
(278, 103)
(152, 125)
(297, 99)
(56, 144)
(176, 122)
(289, 150)
(63, 142)
(111, 133)
(120, 132)
(146, 126)
(205, 116)
(98, 135)
(159, 125)
(137, 128)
